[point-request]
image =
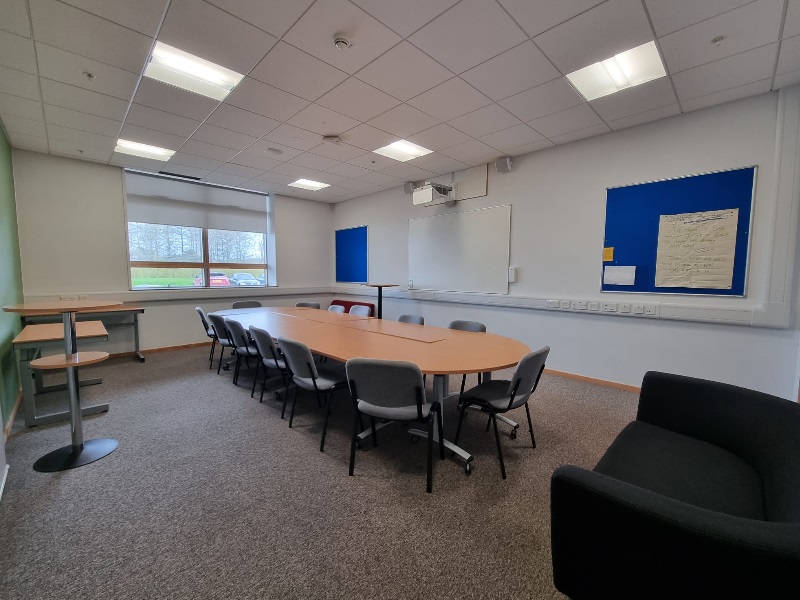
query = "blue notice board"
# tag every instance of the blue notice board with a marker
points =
(633, 215)
(351, 255)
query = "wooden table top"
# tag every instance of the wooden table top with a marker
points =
(59, 307)
(381, 284)
(62, 361)
(452, 352)
(51, 332)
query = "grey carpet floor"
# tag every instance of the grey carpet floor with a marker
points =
(211, 495)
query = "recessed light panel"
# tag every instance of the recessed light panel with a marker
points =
(632, 67)
(307, 184)
(143, 150)
(188, 72)
(402, 150)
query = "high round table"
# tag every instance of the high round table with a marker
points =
(80, 452)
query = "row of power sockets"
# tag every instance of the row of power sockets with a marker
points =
(72, 298)
(623, 308)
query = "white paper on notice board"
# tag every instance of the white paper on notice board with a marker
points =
(619, 275)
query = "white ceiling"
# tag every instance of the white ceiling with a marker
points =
(471, 79)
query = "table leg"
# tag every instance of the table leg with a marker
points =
(380, 302)
(137, 353)
(441, 384)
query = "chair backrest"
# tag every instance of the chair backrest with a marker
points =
(264, 342)
(308, 304)
(361, 311)
(337, 308)
(473, 326)
(238, 333)
(387, 383)
(526, 376)
(219, 327)
(415, 319)
(298, 358)
(203, 318)
(247, 304)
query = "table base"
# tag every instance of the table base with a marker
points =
(71, 457)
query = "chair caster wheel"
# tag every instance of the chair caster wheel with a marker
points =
(468, 469)
(414, 439)
(514, 433)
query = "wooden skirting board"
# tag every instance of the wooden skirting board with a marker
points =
(12, 416)
(603, 382)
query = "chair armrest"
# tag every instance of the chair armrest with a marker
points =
(613, 539)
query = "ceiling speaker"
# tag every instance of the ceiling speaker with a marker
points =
(503, 165)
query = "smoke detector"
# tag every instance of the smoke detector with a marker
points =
(341, 42)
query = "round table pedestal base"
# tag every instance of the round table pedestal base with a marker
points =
(70, 457)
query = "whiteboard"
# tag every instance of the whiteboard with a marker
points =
(461, 252)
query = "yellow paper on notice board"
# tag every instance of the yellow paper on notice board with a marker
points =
(608, 254)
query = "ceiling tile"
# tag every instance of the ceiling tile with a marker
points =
(527, 148)
(81, 151)
(66, 27)
(265, 100)
(70, 68)
(143, 16)
(198, 162)
(273, 150)
(514, 71)
(314, 161)
(136, 162)
(645, 117)
(403, 120)
(407, 16)
(206, 31)
(572, 119)
(641, 98)
(18, 83)
(791, 25)
(28, 142)
(223, 137)
(745, 28)
(485, 120)
(17, 52)
(380, 179)
(20, 107)
(339, 152)
(470, 150)
(296, 72)
(367, 137)
(509, 138)
(438, 163)
(485, 26)
(275, 16)
(372, 161)
(57, 115)
(240, 170)
(450, 100)
(542, 100)
(208, 150)
(15, 18)
(32, 127)
(80, 139)
(315, 30)
(173, 100)
(243, 121)
(404, 72)
(539, 16)
(260, 162)
(408, 172)
(321, 120)
(294, 137)
(152, 137)
(225, 179)
(358, 100)
(581, 134)
(177, 169)
(727, 95)
(786, 80)
(354, 184)
(734, 71)
(348, 170)
(671, 15)
(296, 171)
(69, 96)
(603, 31)
(441, 136)
(789, 57)
(144, 116)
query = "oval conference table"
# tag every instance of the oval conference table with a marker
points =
(437, 351)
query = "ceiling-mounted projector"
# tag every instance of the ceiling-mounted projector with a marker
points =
(431, 192)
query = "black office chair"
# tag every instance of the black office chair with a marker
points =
(210, 333)
(414, 319)
(247, 304)
(360, 310)
(223, 337)
(243, 346)
(474, 327)
(271, 358)
(307, 305)
(336, 308)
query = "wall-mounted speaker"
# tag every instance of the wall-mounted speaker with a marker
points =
(408, 187)
(503, 165)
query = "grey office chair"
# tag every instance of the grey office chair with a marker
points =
(392, 390)
(309, 376)
(210, 333)
(247, 304)
(307, 304)
(414, 319)
(243, 346)
(337, 308)
(360, 310)
(474, 327)
(271, 358)
(223, 337)
(500, 396)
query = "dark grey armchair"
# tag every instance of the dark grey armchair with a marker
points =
(699, 497)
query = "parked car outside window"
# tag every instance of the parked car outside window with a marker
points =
(218, 279)
(244, 279)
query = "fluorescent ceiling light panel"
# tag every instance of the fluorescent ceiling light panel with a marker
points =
(402, 150)
(188, 72)
(143, 150)
(307, 184)
(625, 70)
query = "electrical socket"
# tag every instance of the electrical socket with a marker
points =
(649, 309)
(565, 304)
(624, 308)
(608, 307)
(595, 306)
(83, 297)
(552, 304)
(574, 305)
(582, 305)
(68, 298)
(638, 309)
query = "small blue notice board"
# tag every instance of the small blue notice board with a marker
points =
(351, 255)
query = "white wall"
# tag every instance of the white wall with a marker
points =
(558, 208)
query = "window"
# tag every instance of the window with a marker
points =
(184, 235)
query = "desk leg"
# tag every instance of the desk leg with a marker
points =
(80, 452)
(138, 354)
(380, 302)
(441, 384)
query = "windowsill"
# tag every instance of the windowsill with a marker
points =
(185, 294)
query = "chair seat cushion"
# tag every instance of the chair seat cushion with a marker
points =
(393, 413)
(685, 469)
(271, 363)
(328, 378)
(247, 351)
(493, 393)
